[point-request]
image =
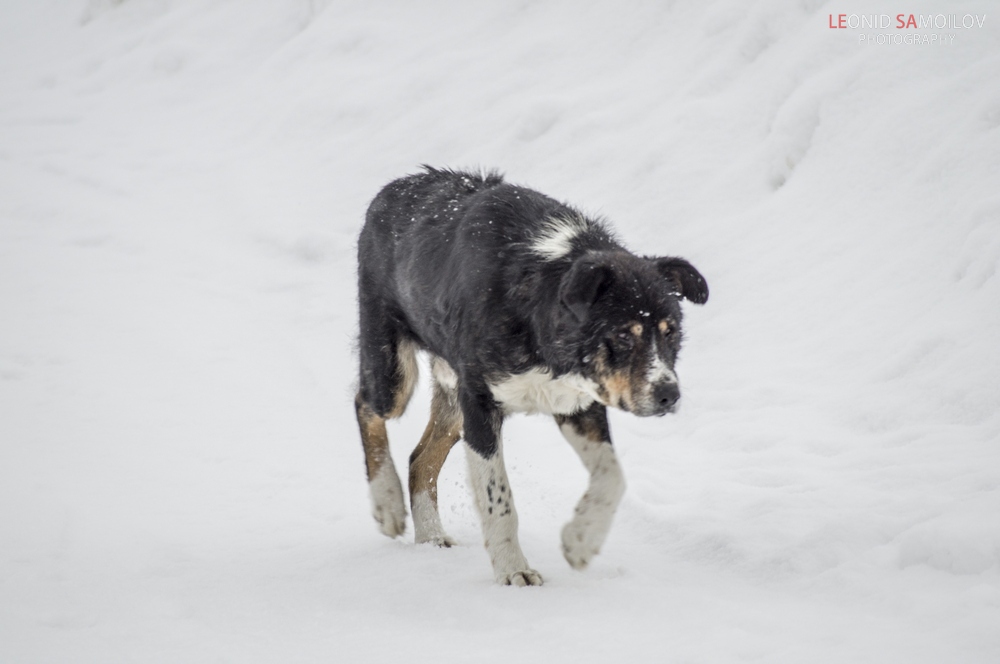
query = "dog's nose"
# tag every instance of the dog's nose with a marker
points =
(665, 395)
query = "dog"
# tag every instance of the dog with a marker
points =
(524, 304)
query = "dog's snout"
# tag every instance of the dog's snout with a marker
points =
(665, 396)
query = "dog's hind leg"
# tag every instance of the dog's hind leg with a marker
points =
(442, 432)
(588, 433)
(388, 375)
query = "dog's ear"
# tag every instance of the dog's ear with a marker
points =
(687, 281)
(583, 284)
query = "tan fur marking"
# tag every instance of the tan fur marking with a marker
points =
(619, 386)
(442, 432)
(407, 369)
(614, 386)
(373, 437)
(664, 326)
(636, 329)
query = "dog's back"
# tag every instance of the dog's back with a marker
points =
(445, 251)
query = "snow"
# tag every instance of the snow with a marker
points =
(181, 185)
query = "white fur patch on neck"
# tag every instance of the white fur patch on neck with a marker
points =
(556, 237)
(536, 391)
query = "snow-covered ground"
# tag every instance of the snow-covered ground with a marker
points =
(181, 185)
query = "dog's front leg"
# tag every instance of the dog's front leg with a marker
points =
(588, 433)
(491, 489)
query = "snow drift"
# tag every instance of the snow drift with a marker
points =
(181, 184)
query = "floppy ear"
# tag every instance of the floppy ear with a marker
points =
(583, 284)
(687, 280)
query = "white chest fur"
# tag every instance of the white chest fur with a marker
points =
(536, 391)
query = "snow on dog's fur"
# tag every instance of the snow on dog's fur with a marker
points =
(525, 305)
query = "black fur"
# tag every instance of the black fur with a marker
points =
(526, 305)
(447, 260)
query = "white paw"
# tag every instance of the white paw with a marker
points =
(579, 545)
(442, 541)
(391, 519)
(427, 523)
(387, 501)
(525, 577)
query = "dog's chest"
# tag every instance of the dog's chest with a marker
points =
(536, 391)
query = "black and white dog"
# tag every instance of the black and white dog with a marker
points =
(524, 305)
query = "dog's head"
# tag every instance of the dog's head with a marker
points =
(620, 316)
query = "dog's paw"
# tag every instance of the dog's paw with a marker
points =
(391, 519)
(578, 545)
(387, 501)
(524, 577)
(427, 526)
(443, 541)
